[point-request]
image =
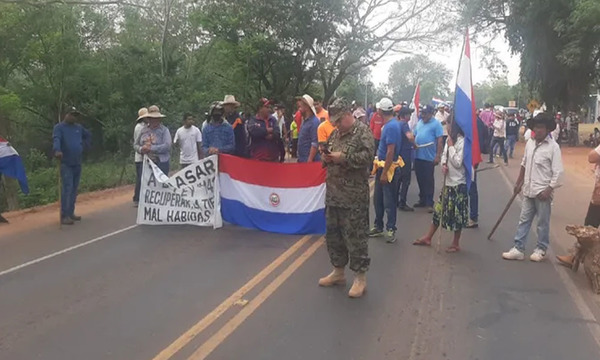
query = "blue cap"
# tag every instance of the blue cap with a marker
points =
(428, 109)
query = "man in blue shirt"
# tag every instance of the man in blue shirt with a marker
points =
(218, 135)
(406, 150)
(385, 197)
(308, 141)
(429, 141)
(69, 141)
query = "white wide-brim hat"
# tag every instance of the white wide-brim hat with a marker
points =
(310, 102)
(230, 100)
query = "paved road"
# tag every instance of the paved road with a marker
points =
(166, 292)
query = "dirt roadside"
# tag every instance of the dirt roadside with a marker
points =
(33, 218)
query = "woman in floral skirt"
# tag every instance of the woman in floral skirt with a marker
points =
(452, 209)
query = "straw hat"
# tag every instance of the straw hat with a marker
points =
(154, 112)
(230, 100)
(142, 113)
(543, 118)
(308, 100)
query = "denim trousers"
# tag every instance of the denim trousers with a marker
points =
(70, 176)
(385, 200)
(500, 142)
(511, 141)
(424, 171)
(531, 208)
(404, 182)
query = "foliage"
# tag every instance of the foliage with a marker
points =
(558, 41)
(405, 73)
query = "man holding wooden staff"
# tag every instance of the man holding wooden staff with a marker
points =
(541, 169)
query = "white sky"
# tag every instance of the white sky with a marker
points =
(379, 72)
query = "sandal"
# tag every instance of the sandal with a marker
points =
(452, 249)
(420, 242)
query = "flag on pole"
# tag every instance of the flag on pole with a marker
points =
(11, 165)
(464, 111)
(414, 117)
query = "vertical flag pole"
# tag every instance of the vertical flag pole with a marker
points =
(449, 130)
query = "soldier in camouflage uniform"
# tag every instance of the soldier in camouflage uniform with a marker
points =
(351, 149)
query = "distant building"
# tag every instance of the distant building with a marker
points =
(593, 107)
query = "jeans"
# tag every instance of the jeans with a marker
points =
(511, 141)
(164, 167)
(424, 171)
(70, 176)
(404, 182)
(474, 201)
(500, 142)
(385, 199)
(138, 181)
(530, 208)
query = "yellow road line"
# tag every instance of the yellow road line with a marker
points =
(214, 341)
(189, 335)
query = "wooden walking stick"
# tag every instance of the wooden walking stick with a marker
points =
(502, 216)
(59, 195)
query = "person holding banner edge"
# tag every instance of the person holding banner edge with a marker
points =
(155, 140)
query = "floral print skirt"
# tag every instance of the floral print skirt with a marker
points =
(452, 208)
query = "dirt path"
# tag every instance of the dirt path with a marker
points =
(33, 218)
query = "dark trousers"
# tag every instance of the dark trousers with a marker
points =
(164, 167)
(404, 183)
(295, 148)
(138, 181)
(500, 142)
(474, 200)
(592, 218)
(70, 176)
(424, 171)
(385, 199)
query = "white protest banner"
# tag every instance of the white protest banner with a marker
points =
(191, 196)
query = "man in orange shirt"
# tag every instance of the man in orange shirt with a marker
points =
(376, 124)
(326, 127)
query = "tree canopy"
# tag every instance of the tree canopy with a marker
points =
(433, 77)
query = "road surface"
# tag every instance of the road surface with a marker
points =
(107, 289)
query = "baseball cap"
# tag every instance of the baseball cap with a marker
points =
(386, 104)
(337, 108)
(405, 111)
(73, 110)
(428, 109)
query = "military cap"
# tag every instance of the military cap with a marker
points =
(337, 108)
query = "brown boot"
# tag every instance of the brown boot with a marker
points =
(565, 260)
(335, 278)
(359, 286)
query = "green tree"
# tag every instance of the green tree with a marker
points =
(404, 75)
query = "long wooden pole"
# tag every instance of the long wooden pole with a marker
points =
(502, 216)
(59, 195)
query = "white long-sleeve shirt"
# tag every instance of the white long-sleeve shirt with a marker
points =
(454, 159)
(543, 166)
(137, 131)
(499, 128)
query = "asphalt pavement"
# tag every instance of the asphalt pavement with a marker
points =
(141, 292)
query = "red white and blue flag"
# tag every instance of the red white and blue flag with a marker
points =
(11, 165)
(273, 197)
(464, 112)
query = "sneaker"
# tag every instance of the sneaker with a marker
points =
(513, 254)
(75, 218)
(375, 232)
(405, 208)
(390, 236)
(538, 255)
(419, 205)
(67, 221)
(472, 224)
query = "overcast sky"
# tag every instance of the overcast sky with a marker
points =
(450, 60)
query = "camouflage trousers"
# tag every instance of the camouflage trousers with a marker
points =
(347, 237)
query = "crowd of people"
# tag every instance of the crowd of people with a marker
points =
(386, 142)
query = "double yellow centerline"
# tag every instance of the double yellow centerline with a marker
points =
(220, 335)
(237, 297)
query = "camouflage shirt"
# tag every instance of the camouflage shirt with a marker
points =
(348, 182)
